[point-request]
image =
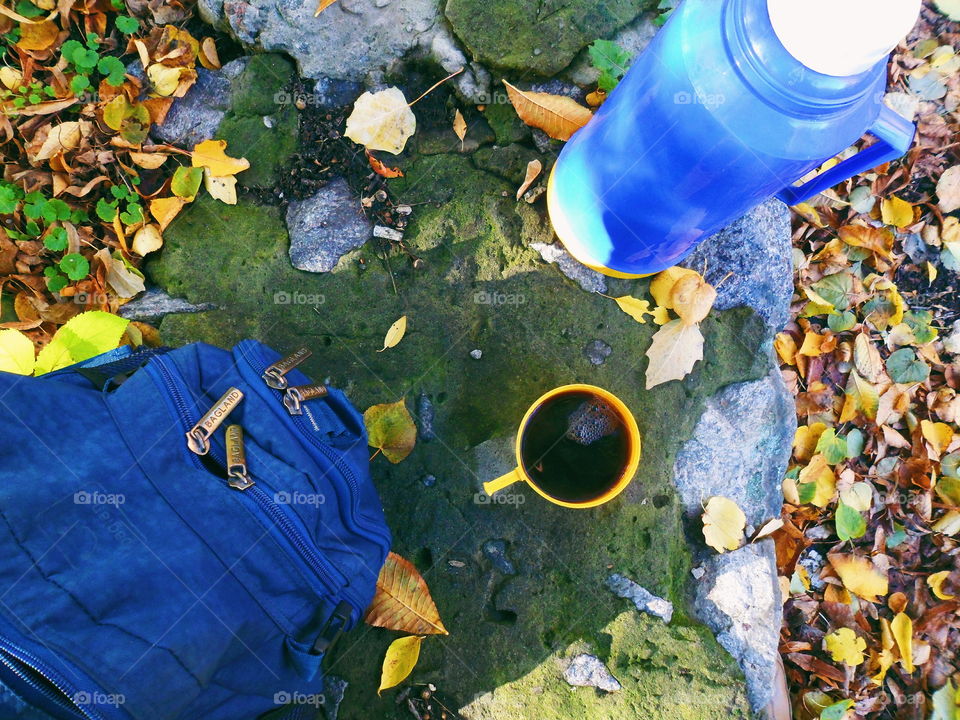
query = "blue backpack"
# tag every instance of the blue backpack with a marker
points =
(183, 535)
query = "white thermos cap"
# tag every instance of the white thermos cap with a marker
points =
(842, 37)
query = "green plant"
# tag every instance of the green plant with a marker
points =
(611, 60)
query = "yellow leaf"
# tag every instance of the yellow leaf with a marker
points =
(723, 524)
(949, 524)
(534, 168)
(10, 77)
(150, 161)
(935, 582)
(62, 137)
(811, 344)
(790, 493)
(394, 334)
(861, 397)
(692, 297)
(860, 576)
(401, 658)
(381, 121)
(768, 528)
(902, 628)
(208, 55)
(818, 471)
(895, 211)
(931, 272)
(223, 188)
(858, 496)
(877, 240)
(460, 128)
(637, 309)
(164, 79)
(323, 5)
(809, 213)
(557, 115)
(674, 351)
(391, 429)
(210, 154)
(402, 600)
(884, 661)
(164, 210)
(38, 35)
(17, 355)
(845, 646)
(661, 316)
(147, 239)
(867, 358)
(805, 440)
(938, 434)
(786, 348)
(663, 284)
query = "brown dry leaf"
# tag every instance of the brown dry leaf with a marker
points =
(208, 55)
(61, 138)
(150, 161)
(402, 600)
(867, 358)
(38, 35)
(323, 5)
(558, 116)
(876, 240)
(534, 168)
(948, 189)
(460, 127)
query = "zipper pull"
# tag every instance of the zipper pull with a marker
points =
(333, 628)
(296, 396)
(198, 439)
(274, 375)
(237, 476)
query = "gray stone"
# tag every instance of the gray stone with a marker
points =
(429, 480)
(739, 599)
(325, 227)
(496, 553)
(333, 689)
(348, 41)
(473, 84)
(755, 252)
(597, 352)
(586, 670)
(155, 304)
(331, 92)
(646, 601)
(196, 116)
(633, 38)
(425, 415)
(589, 280)
(739, 449)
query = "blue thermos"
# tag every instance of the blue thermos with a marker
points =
(731, 103)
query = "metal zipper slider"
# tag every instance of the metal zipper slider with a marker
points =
(296, 396)
(198, 439)
(237, 476)
(274, 375)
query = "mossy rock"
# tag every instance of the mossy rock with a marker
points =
(535, 35)
(482, 287)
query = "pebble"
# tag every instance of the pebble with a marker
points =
(586, 670)
(476, 354)
(388, 233)
(597, 352)
(496, 552)
(429, 480)
(425, 417)
(645, 601)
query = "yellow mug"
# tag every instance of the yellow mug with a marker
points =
(614, 487)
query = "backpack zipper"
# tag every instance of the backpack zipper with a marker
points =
(59, 691)
(275, 374)
(273, 511)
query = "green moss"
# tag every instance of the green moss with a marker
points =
(533, 35)
(503, 118)
(482, 287)
(509, 162)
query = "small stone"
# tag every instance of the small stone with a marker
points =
(476, 354)
(425, 417)
(155, 304)
(268, 121)
(646, 601)
(698, 572)
(325, 227)
(333, 689)
(496, 552)
(589, 280)
(403, 209)
(597, 352)
(586, 670)
(429, 480)
(456, 563)
(387, 233)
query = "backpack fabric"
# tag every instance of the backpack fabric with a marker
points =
(137, 582)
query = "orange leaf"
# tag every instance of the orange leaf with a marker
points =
(876, 240)
(380, 169)
(558, 116)
(402, 601)
(38, 36)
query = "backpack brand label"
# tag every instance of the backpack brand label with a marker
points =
(237, 474)
(274, 375)
(198, 439)
(296, 396)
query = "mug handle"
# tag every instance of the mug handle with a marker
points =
(894, 135)
(503, 481)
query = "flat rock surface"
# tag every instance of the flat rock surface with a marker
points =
(325, 227)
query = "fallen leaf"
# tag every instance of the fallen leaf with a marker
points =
(208, 55)
(557, 115)
(323, 5)
(859, 496)
(948, 189)
(398, 663)
(222, 188)
(150, 161)
(38, 35)
(867, 358)
(402, 600)
(896, 211)
(460, 127)
(768, 528)
(380, 169)
(845, 646)
(164, 210)
(817, 482)
(902, 628)
(860, 576)
(10, 77)
(210, 154)
(164, 79)
(381, 121)
(147, 239)
(935, 581)
(186, 182)
(692, 297)
(723, 524)
(534, 168)
(391, 429)
(122, 278)
(786, 348)
(61, 138)
(635, 308)
(674, 350)
(860, 397)
(394, 334)
(877, 240)
(938, 434)
(84, 336)
(16, 353)
(662, 284)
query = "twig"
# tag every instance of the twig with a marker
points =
(434, 87)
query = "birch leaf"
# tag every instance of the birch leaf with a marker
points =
(391, 429)
(663, 283)
(395, 334)
(860, 576)
(211, 155)
(558, 116)
(635, 308)
(902, 628)
(398, 663)
(895, 211)
(222, 188)
(16, 353)
(723, 524)
(381, 121)
(675, 349)
(534, 168)
(935, 581)
(460, 127)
